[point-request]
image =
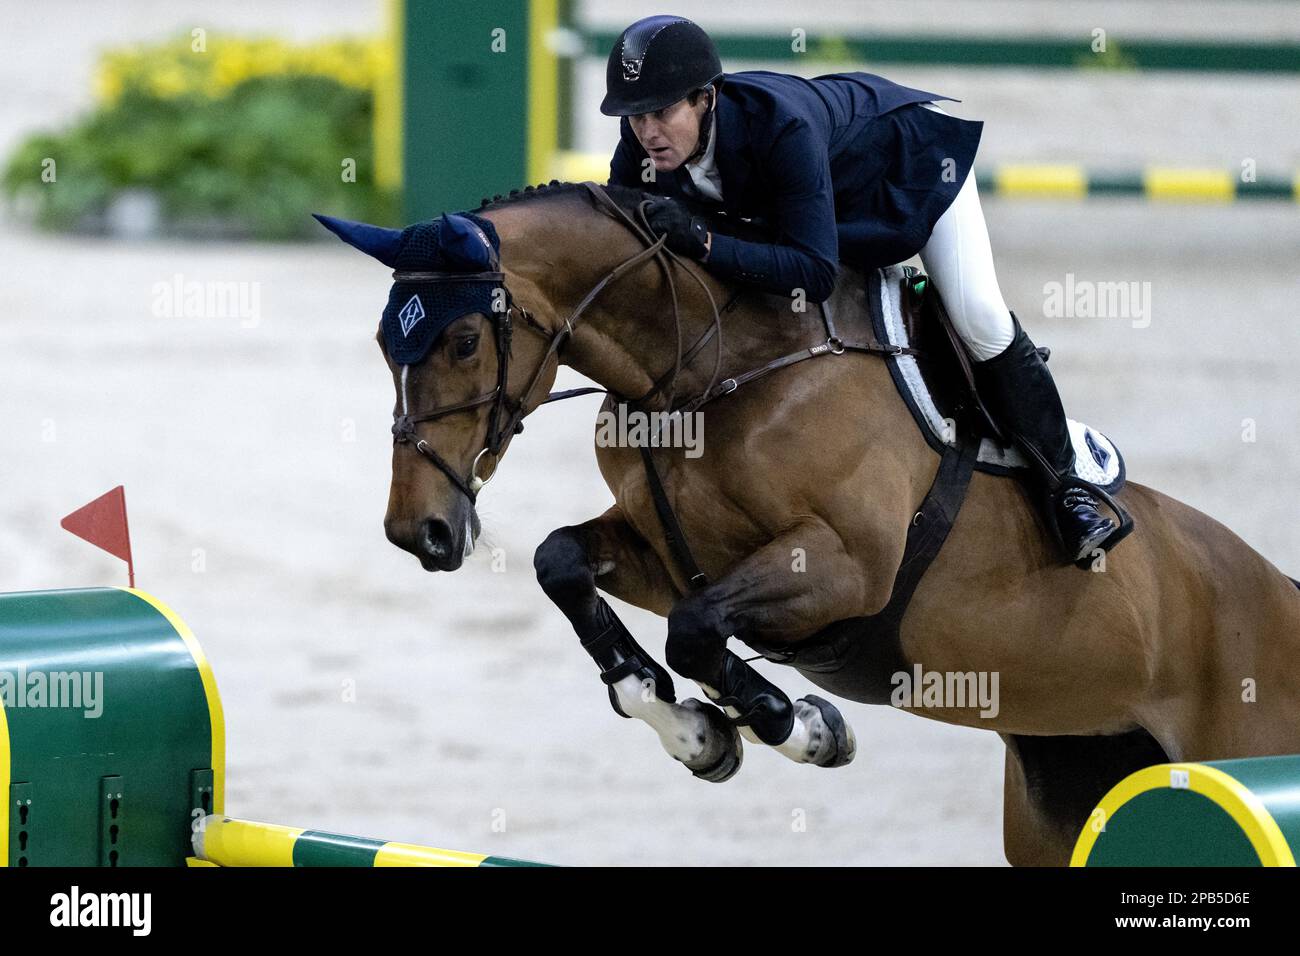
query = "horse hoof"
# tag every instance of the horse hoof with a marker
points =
(837, 745)
(723, 751)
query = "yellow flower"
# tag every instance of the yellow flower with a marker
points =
(168, 82)
(108, 83)
(170, 68)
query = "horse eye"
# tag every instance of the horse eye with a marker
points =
(466, 347)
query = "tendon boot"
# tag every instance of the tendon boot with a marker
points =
(617, 654)
(1019, 393)
(762, 706)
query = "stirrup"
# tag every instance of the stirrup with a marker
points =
(1123, 527)
(1057, 484)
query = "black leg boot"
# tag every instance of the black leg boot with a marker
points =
(1019, 392)
(617, 654)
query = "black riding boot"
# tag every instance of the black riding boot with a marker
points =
(1019, 392)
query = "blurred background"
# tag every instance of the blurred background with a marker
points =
(170, 320)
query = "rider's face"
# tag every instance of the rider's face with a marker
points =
(671, 134)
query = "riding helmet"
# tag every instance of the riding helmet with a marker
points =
(656, 62)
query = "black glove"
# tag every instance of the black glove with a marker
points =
(686, 233)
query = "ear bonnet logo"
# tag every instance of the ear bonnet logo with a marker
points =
(411, 313)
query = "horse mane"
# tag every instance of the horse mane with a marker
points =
(627, 199)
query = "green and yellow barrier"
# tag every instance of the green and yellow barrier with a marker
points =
(1221, 813)
(112, 747)
(111, 734)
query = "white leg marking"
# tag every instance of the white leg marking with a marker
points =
(807, 735)
(799, 746)
(745, 731)
(681, 731)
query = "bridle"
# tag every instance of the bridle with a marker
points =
(506, 416)
(404, 430)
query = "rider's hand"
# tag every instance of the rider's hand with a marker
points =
(687, 235)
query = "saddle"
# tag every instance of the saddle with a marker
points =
(938, 383)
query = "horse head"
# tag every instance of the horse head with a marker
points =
(464, 374)
(446, 336)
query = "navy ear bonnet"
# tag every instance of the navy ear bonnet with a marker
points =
(418, 312)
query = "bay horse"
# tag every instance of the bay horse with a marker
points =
(1186, 646)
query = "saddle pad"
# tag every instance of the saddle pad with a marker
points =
(1096, 457)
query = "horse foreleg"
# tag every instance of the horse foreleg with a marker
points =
(1027, 838)
(568, 564)
(765, 595)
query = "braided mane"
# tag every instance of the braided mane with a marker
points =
(624, 196)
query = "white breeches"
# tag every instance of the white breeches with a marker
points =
(959, 260)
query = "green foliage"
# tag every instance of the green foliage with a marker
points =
(255, 162)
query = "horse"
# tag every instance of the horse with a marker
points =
(789, 531)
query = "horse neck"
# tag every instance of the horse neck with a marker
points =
(626, 339)
(561, 248)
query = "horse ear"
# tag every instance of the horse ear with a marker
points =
(375, 241)
(464, 243)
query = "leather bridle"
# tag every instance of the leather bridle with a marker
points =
(404, 430)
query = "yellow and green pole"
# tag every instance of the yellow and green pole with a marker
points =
(225, 841)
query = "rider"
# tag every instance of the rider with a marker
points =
(848, 166)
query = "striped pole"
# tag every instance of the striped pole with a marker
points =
(1156, 183)
(1064, 181)
(224, 841)
(852, 50)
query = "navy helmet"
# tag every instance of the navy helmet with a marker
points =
(656, 62)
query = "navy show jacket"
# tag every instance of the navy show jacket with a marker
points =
(843, 167)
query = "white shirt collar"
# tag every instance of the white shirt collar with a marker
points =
(704, 172)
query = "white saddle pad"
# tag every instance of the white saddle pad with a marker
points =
(1096, 457)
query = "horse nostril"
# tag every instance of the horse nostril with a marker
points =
(437, 539)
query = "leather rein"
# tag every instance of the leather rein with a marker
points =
(506, 416)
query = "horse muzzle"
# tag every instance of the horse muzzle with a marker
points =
(441, 543)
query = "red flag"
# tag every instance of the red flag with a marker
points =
(103, 524)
